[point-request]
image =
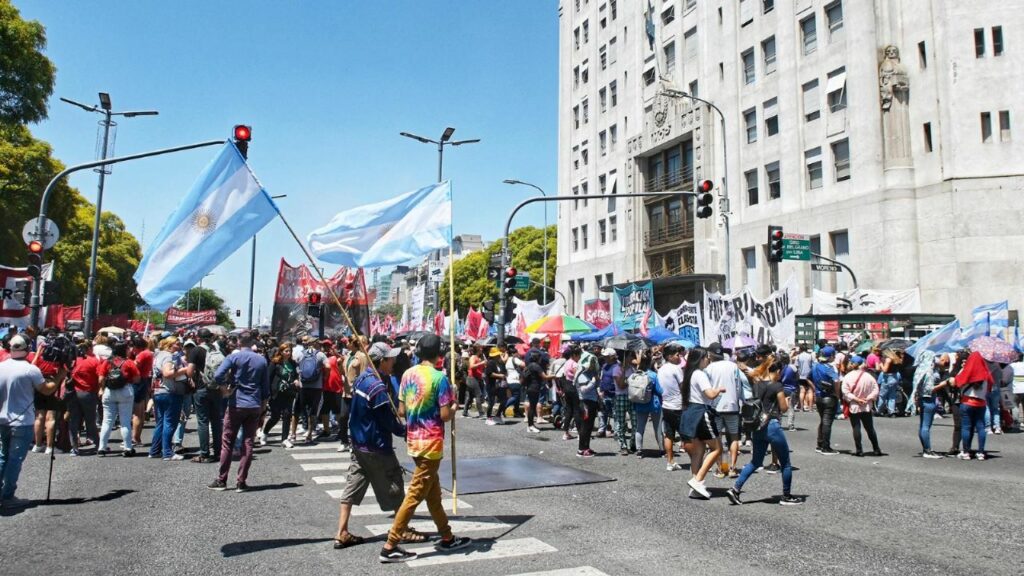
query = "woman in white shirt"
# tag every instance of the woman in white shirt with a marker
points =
(698, 423)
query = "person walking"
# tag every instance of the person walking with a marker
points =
(928, 383)
(427, 401)
(889, 380)
(827, 391)
(569, 397)
(248, 379)
(284, 385)
(767, 390)
(143, 389)
(475, 381)
(495, 373)
(670, 379)
(19, 381)
(117, 376)
(311, 363)
(203, 362)
(586, 382)
(514, 367)
(791, 386)
(725, 374)
(860, 390)
(700, 435)
(650, 410)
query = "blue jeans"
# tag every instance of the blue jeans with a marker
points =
(514, 392)
(641, 425)
(772, 434)
(927, 415)
(607, 410)
(972, 419)
(186, 409)
(993, 419)
(168, 411)
(14, 444)
(888, 386)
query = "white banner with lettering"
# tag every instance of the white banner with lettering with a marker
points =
(769, 320)
(862, 301)
(685, 320)
(416, 308)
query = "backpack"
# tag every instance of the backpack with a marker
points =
(752, 414)
(115, 379)
(309, 367)
(640, 387)
(214, 358)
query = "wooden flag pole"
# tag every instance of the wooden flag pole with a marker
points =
(451, 367)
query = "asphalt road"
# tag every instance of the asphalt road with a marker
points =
(895, 514)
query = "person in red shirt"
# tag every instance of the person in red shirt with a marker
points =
(334, 397)
(140, 391)
(117, 378)
(84, 400)
(47, 405)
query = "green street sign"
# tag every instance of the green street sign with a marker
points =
(522, 281)
(796, 247)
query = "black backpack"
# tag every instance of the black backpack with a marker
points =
(752, 414)
(115, 379)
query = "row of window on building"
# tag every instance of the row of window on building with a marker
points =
(607, 233)
(578, 290)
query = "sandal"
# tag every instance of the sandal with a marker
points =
(203, 459)
(347, 539)
(412, 536)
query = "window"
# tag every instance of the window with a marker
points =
(1004, 125)
(612, 45)
(575, 239)
(572, 296)
(768, 52)
(690, 43)
(834, 17)
(812, 158)
(583, 192)
(809, 33)
(927, 136)
(586, 31)
(583, 235)
(749, 72)
(585, 74)
(841, 252)
(746, 12)
(603, 57)
(997, 40)
(670, 57)
(576, 38)
(815, 275)
(750, 122)
(721, 72)
(836, 89)
(576, 77)
(613, 230)
(579, 287)
(771, 117)
(604, 23)
(668, 16)
(602, 183)
(611, 194)
(585, 157)
(609, 278)
(613, 136)
(811, 106)
(586, 110)
(841, 160)
(693, 89)
(576, 201)
(613, 8)
(648, 76)
(575, 116)
(750, 279)
(602, 138)
(751, 178)
(597, 284)
(690, 5)
(979, 42)
(922, 54)
(774, 177)
(575, 157)
(986, 127)
(613, 93)
(767, 6)
(602, 232)
(602, 98)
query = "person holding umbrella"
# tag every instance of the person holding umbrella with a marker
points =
(974, 381)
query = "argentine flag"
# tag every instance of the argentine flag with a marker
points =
(390, 232)
(225, 207)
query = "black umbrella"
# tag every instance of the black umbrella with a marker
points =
(412, 336)
(493, 340)
(626, 342)
(895, 344)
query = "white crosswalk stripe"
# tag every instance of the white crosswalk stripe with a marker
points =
(480, 550)
(329, 479)
(322, 456)
(317, 466)
(313, 447)
(372, 509)
(580, 571)
(477, 524)
(370, 494)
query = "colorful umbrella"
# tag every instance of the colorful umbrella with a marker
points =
(560, 324)
(994, 349)
(739, 341)
(865, 346)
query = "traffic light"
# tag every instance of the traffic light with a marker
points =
(35, 259)
(704, 198)
(313, 304)
(50, 293)
(489, 311)
(775, 235)
(23, 292)
(509, 313)
(242, 135)
(493, 273)
(510, 283)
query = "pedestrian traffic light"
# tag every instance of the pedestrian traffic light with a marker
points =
(313, 304)
(242, 136)
(23, 292)
(35, 259)
(50, 293)
(510, 283)
(489, 311)
(704, 198)
(509, 313)
(775, 235)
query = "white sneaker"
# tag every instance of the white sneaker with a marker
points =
(964, 456)
(343, 448)
(699, 488)
(288, 443)
(491, 422)
(540, 420)
(673, 467)
(48, 451)
(533, 430)
(979, 456)
(38, 449)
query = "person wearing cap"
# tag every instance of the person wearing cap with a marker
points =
(494, 374)
(827, 391)
(612, 378)
(19, 381)
(860, 390)
(427, 401)
(373, 422)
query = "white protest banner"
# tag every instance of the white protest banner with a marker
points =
(863, 301)
(416, 308)
(770, 320)
(684, 320)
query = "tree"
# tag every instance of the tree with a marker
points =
(389, 308)
(526, 247)
(206, 299)
(26, 75)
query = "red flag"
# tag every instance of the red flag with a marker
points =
(643, 323)
(439, 323)
(474, 320)
(484, 329)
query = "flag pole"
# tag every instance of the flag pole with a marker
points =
(451, 346)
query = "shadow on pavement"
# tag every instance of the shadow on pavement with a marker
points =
(251, 546)
(281, 486)
(112, 495)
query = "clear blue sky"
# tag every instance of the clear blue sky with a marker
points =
(327, 87)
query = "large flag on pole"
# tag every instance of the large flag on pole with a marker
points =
(387, 233)
(225, 207)
(944, 339)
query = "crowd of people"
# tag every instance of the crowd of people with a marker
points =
(69, 393)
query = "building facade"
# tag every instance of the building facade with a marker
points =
(877, 127)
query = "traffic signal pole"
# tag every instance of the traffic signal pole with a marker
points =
(44, 202)
(508, 226)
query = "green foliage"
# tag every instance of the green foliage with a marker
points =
(26, 75)
(526, 246)
(387, 308)
(155, 318)
(205, 299)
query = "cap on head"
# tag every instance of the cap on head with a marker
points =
(715, 348)
(609, 352)
(380, 351)
(856, 360)
(19, 346)
(827, 352)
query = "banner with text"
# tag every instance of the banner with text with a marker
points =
(769, 320)
(295, 283)
(12, 312)
(685, 320)
(598, 312)
(178, 317)
(632, 304)
(417, 299)
(863, 301)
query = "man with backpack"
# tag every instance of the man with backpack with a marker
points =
(311, 363)
(827, 392)
(203, 362)
(117, 375)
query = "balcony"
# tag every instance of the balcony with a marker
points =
(676, 232)
(678, 180)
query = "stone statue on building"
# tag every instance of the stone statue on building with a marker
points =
(894, 89)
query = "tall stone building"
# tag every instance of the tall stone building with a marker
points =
(883, 129)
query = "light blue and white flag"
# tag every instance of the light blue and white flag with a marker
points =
(988, 317)
(390, 232)
(945, 339)
(225, 207)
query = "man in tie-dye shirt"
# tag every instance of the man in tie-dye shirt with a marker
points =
(427, 401)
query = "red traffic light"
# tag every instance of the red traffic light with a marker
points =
(35, 247)
(777, 234)
(243, 133)
(313, 298)
(705, 186)
(510, 272)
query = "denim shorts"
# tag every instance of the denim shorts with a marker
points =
(728, 423)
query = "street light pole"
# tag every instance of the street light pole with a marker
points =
(104, 109)
(544, 293)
